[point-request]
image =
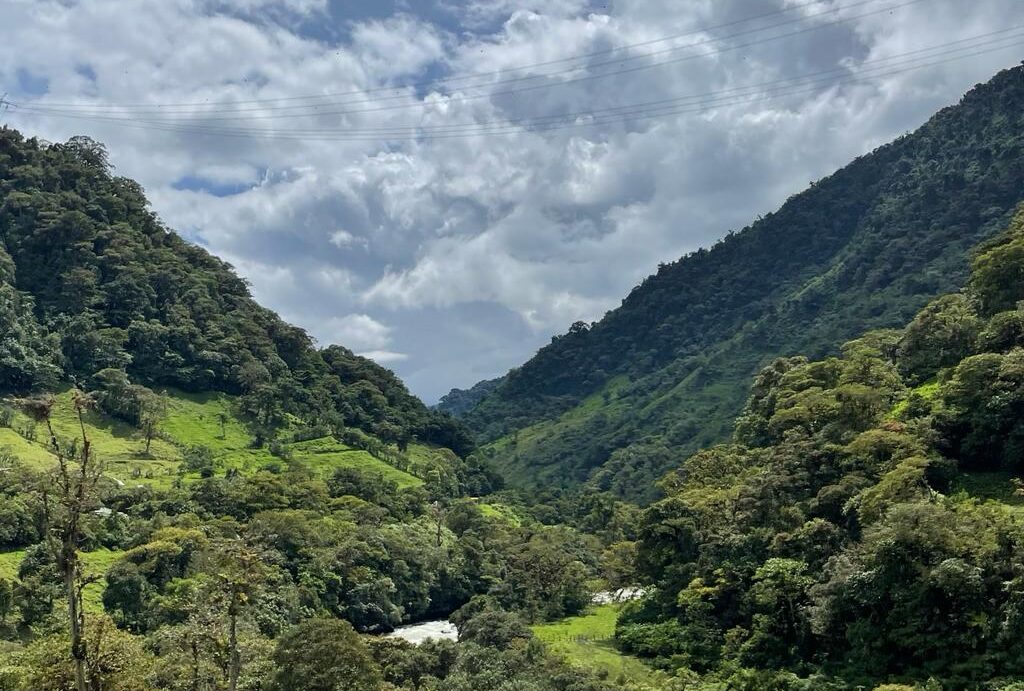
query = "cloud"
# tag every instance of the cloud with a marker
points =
(358, 331)
(453, 258)
(384, 357)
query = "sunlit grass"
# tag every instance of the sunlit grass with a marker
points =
(210, 420)
(32, 455)
(588, 641)
(324, 455)
(501, 512)
(94, 564)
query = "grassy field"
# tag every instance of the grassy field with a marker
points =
(502, 512)
(32, 455)
(587, 641)
(121, 447)
(325, 454)
(208, 420)
(9, 562)
(94, 564)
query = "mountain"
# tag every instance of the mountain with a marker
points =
(619, 401)
(91, 281)
(193, 496)
(458, 402)
(863, 525)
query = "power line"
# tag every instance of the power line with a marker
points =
(505, 128)
(507, 92)
(1014, 32)
(508, 128)
(495, 73)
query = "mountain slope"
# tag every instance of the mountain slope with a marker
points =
(458, 402)
(665, 373)
(95, 290)
(843, 529)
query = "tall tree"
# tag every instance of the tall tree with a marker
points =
(68, 493)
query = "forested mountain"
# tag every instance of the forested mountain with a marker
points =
(90, 280)
(620, 401)
(458, 402)
(863, 525)
(193, 497)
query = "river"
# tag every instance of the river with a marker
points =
(439, 629)
(442, 629)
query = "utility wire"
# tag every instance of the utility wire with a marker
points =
(505, 128)
(496, 73)
(1008, 34)
(44, 107)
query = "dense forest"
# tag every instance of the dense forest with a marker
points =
(842, 538)
(619, 401)
(194, 496)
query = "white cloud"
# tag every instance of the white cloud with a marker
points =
(383, 357)
(343, 238)
(358, 332)
(454, 258)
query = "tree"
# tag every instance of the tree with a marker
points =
(117, 661)
(324, 655)
(237, 574)
(27, 356)
(941, 335)
(6, 600)
(68, 494)
(152, 409)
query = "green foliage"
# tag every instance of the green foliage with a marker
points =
(836, 535)
(262, 500)
(458, 402)
(119, 662)
(92, 284)
(587, 641)
(324, 655)
(941, 334)
(981, 414)
(996, 277)
(864, 248)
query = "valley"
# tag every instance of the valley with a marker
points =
(791, 461)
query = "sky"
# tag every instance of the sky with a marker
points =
(444, 185)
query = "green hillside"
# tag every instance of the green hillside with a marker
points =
(862, 527)
(193, 420)
(619, 401)
(94, 289)
(217, 491)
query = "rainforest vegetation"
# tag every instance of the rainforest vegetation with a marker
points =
(194, 496)
(617, 402)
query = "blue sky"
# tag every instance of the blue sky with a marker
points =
(455, 243)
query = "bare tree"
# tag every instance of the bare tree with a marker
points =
(68, 494)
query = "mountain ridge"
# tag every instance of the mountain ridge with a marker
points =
(92, 283)
(863, 248)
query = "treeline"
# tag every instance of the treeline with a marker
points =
(830, 545)
(91, 281)
(864, 248)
